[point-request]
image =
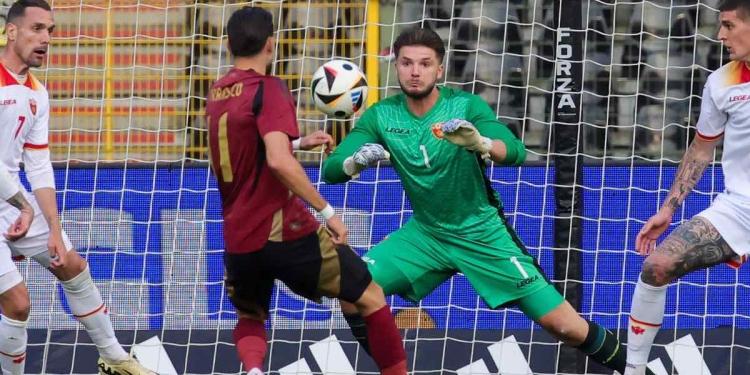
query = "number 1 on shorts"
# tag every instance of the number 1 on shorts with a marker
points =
(515, 261)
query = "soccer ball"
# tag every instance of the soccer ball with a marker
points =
(339, 88)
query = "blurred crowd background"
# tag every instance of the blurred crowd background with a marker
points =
(129, 82)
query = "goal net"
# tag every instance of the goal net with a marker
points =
(128, 81)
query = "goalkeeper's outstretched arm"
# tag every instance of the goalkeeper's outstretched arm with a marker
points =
(362, 133)
(506, 148)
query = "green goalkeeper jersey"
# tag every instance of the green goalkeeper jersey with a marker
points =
(445, 184)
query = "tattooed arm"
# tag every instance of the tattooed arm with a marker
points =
(10, 192)
(697, 157)
(19, 201)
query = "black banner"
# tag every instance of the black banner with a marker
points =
(568, 160)
(720, 351)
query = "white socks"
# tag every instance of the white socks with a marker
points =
(646, 315)
(86, 304)
(13, 338)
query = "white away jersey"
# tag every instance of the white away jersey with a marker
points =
(725, 111)
(24, 125)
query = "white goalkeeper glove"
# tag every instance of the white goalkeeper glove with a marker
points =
(367, 155)
(465, 134)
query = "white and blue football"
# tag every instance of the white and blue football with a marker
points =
(339, 89)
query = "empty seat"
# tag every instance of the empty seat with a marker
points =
(411, 12)
(599, 36)
(492, 68)
(655, 16)
(488, 14)
(652, 83)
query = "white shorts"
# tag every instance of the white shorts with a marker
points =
(33, 245)
(731, 218)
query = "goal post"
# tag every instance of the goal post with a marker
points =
(567, 132)
(372, 50)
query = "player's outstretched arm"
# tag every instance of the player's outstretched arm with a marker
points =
(290, 172)
(286, 167)
(340, 165)
(505, 148)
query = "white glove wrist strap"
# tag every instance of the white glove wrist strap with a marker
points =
(327, 212)
(350, 167)
(487, 142)
(295, 143)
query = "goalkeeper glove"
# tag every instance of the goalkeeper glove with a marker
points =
(368, 154)
(465, 134)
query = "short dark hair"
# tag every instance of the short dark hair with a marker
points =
(18, 9)
(248, 29)
(418, 36)
(741, 6)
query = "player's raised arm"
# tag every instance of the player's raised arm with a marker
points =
(506, 148)
(360, 149)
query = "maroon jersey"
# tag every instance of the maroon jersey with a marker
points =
(243, 106)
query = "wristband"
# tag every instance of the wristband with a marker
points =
(327, 212)
(295, 143)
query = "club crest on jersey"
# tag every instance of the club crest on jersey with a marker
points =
(32, 106)
(437, 130)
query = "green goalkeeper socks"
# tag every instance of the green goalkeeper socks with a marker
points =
(603, 347)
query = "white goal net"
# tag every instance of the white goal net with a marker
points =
(128, 81)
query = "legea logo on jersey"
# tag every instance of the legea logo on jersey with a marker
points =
(32, 106)
(739, 98)
(391, 129)
(506, 355)
(437, 130)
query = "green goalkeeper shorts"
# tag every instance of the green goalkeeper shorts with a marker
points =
(416, 259)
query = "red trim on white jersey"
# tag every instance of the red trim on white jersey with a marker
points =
(709, 138)
(7, 79)
(35, 147)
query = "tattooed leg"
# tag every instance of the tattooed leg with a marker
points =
(695, 245)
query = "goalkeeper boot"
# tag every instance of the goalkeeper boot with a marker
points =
(130, 366)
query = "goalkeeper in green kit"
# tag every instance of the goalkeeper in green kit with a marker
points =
(436, 139)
